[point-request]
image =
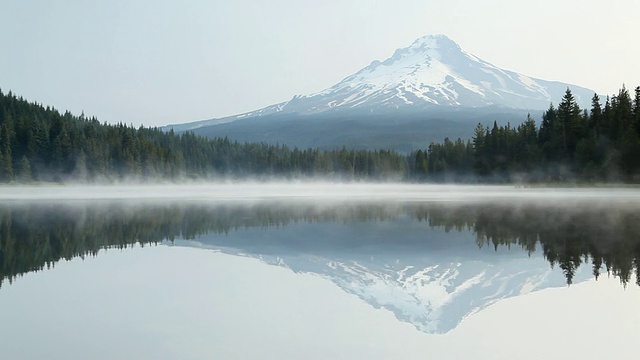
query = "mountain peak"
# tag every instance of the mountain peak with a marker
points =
(433, 41)
(424, 49)
(433, 71)
(426, 91)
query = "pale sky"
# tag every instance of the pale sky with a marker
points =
(156, 62)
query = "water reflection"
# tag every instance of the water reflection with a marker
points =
(432, 264)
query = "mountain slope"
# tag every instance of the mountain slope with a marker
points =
(434, 71)
(403, 132)
(433, 76)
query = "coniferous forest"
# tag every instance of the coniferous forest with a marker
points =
(599, 144)
(41, 144)
(570, 144)
(604, 238)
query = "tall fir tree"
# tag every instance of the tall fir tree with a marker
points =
(6, 168)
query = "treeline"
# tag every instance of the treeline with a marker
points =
(600, 144)
(570, 236)
(39, 143)
(606, 238)
(34, 236)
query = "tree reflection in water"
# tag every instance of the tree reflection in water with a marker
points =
(37, 235)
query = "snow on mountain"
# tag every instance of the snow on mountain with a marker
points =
(434, 295)
(432, 284)
(433, 71)
(273, 109)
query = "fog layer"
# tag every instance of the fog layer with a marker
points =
(317, 191)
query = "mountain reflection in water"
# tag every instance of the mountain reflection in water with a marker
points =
(418, 260)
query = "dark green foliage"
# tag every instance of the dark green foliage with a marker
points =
(44, 145)
(449, 160)
(6, 166)
(569, 235)
(41, 144)
(25, 170)
(421, 164)
(571, 145)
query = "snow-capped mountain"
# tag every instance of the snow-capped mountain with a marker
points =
(432, 72)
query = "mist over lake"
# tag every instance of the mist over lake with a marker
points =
(290, 270)
(319, 180)
(318, 191)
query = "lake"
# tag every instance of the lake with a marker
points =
(317, 271)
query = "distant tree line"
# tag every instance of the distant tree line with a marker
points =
(569, 236)
(602, 144)
(41, 144)
(34, 236)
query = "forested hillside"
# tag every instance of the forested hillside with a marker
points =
(600, 144)
(568, 237)
(39, 143)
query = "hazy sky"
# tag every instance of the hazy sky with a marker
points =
(156, 62)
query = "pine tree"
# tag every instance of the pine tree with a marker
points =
(25, 170)
(570, 122)
(547, 136)
(6, 168)
(422, 164)
(636, 109)
(623, 113)
(80, 171)
(480, 150)
(595, 122)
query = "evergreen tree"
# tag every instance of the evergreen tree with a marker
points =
(636, 109)
(570, 123)
(595, 123)
(6, 168)
(421, 164)
(547, 136)
(25, 169)
(481, 151)
(623, 114)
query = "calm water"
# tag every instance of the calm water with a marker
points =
(301, 271)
